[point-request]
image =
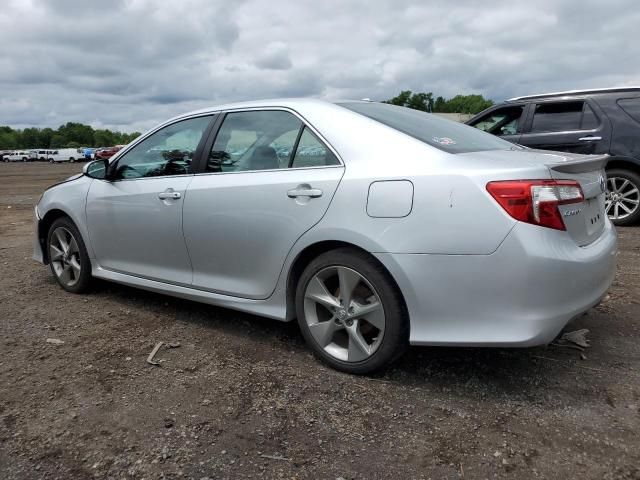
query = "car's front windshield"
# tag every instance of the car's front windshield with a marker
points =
(447, 135)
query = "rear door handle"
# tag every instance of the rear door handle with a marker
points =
(589, 139)
(169, 194)
(304, 191)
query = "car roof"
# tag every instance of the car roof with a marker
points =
(570, 93)
(292, 103)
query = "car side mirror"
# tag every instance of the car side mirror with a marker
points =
(96, 169)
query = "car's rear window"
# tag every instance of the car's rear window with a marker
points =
(447, 135)
(631, 106)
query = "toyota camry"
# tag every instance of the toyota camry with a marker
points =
(375, 226)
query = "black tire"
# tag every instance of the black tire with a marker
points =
(84, 280)
(634, 179)
(395, 340)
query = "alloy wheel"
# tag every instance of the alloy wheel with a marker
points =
(65, 256)
(344, 314)
(623, 198)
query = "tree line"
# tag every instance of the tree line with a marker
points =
(426, 102)
(69, 135)
(75, 135)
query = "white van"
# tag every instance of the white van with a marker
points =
(63, 155)
(39, 154)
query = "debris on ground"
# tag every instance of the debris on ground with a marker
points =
(150, 360)
(55, 341)
(576, 339)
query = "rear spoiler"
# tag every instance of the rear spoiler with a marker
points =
(585, 163)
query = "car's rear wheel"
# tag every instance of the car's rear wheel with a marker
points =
(351, 313)
(623, 197)
(68, 256)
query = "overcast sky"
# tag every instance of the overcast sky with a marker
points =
(129, 64)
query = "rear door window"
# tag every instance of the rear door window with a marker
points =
(254, 140)
(311, 152)
(557, 117)
(631, 107)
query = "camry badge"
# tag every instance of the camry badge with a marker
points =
(571, 213)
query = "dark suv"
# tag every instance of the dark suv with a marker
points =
(581, 121)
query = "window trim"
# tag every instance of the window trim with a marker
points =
(294, 150)
(113, 161)
(199, 168)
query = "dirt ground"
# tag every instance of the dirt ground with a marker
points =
(242, 397)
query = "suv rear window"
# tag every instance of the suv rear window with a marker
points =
(631, 106)
(446, 135)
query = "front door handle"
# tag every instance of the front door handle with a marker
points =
(589, 139)
(304, 191)
(169, 194)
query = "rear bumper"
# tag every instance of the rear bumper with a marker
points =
(521, 295)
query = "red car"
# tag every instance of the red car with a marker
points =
(106, 153)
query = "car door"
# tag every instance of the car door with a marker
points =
(268, 179)
(135, 217)
(503, 121)
(568, 126)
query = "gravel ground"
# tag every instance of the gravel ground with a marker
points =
(241, 396)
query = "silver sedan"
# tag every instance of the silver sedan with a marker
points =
(374, 226)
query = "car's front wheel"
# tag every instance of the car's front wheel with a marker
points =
(623, 197)
(68, 256)
(351, 313)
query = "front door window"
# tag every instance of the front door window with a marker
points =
(503, 121)
(169, 151)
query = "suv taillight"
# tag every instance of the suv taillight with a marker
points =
(536, 201)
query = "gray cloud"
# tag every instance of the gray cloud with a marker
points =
(128, 64)
(274, 57)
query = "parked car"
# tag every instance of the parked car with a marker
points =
(86, 153)
(376, 226)
(41, 154)
(16, 156)
(108, 152)
(602, 121)
(64, 155)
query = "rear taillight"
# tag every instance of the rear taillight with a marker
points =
(536, 201)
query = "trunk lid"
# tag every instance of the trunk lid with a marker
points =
(584, 221)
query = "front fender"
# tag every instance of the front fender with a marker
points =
(67, 198)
